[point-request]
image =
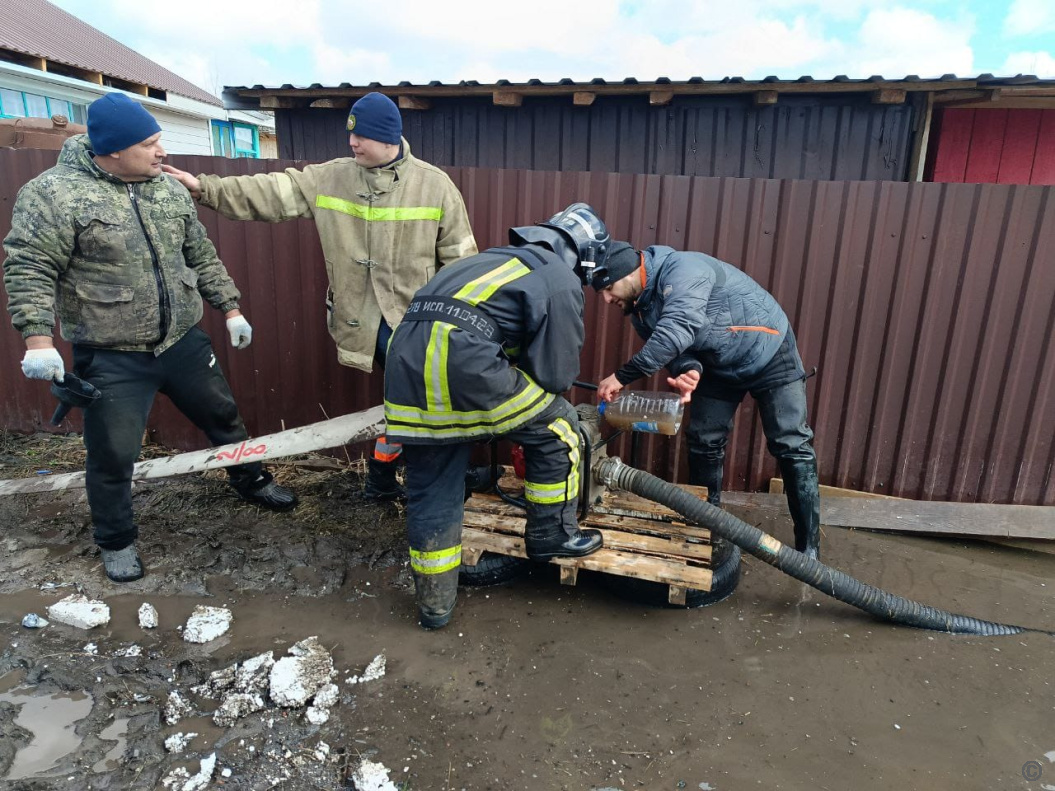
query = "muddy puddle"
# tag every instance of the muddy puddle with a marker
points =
(50, 720)
(533, 685)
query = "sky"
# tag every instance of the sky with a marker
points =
(274, 42)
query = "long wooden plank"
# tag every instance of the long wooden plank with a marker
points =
(659, 570)
(613, 539)
(918, 516)
(609, 561)
(776, 486)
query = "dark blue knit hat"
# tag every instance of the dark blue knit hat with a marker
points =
(116, 122)
(376, 116)
(622, 260)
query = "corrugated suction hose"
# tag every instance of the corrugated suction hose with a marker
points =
(763, 546)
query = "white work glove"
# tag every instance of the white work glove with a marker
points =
(43, 364)
(240, 331)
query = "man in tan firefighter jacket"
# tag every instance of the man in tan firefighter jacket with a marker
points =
(387, 222)
(484, 351)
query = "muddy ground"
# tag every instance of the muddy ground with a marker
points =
(533, 686)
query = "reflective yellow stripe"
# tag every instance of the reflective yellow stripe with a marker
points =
(378, 213)
(546, 493)
(570, 488)
(437, 387)
(482, 288)
(436, 562)
(476, 429)
(439, 417)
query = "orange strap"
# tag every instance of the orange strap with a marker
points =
(767, 330)
(642, 270)
(386, 451)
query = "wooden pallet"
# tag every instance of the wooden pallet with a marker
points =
(642, 539)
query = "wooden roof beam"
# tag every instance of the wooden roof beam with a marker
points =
(889, 96)
(408, 102)
(281, 103)
(507, 98)
(583, 98)
(660, 98)
(330, 104)
(22, 59)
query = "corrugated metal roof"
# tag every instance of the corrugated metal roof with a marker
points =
(40, 29)
(1021, 84)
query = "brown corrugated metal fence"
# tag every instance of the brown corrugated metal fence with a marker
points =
(928, 310)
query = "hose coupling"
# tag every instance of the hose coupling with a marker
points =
(607, 470)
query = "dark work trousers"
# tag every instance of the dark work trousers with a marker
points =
(779, 391)
(435, 482)
(189, 374)
(384, 335)
(384, 451)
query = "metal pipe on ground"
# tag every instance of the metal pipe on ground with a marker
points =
(345, 430)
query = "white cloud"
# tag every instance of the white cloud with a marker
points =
(754, 48)
(203, 23)
(334, 65)
(272, 42)
(1029, 17)
(1040, 64)
(896, 42)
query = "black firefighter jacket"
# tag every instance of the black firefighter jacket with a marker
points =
(445, 382)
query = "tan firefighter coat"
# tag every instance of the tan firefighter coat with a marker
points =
(384, 232)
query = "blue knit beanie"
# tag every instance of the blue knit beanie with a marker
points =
(116, 122)
(375, 116)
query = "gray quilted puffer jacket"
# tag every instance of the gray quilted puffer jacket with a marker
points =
(697, 312)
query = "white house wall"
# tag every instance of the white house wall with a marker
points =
(183, 135)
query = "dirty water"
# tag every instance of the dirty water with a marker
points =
(114, 732)
(533, 685)
(49, 719)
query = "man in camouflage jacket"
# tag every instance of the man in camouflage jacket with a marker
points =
(387, 222)
(113, 249)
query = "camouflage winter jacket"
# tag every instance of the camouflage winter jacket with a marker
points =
(126, 263)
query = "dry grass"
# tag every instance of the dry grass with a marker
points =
(316, 478)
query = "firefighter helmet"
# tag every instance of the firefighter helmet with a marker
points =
(577, 234)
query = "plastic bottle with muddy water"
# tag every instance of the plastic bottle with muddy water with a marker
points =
(644, 410)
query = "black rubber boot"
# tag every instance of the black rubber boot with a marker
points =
(560, 545)
(122, 565)
(804, 503)
(436, 595)
(381, 484)
(265, 493)
(704, 471)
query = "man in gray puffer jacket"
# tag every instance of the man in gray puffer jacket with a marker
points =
(720, 335)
